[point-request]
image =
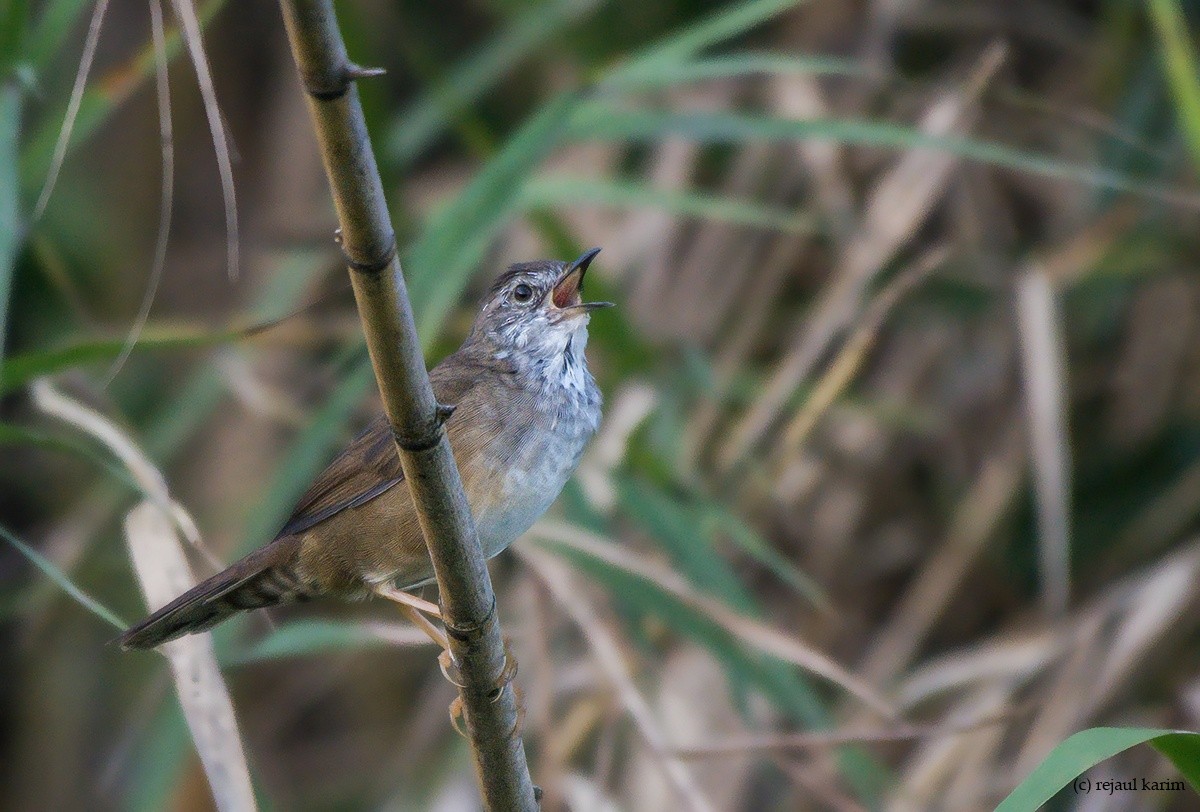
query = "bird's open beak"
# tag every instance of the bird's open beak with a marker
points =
(568, 290)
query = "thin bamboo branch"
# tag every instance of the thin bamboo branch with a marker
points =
(468, 603)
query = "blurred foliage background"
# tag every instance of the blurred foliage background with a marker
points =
(902, 395)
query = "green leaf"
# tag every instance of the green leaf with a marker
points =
(10, 240)
(1179, 61)
(668, 74)
(1086, 749)
(679, 528)
(605, 121)
(453, 242)
(51, 571)
(553, 192)
(720, 26)
(758, 548)
(52, 30)
(21, 369)
(19, 435)
(304, 637)
(423, 121)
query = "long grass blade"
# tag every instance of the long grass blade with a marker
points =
(422, 122)
(189, 22)
(10, 239)
(166, 189)
(64, 582)
(24, 368)
(604, 121)
(731, 66)
(1182, 68)
(607, 655)
(622, 194)
(455, 239)
(720, 26)
(64, 133)
(1044, 363)
(98, 103)
(1088, 748)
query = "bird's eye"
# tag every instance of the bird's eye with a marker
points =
(522, 293)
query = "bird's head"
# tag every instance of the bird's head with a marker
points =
(536, 309)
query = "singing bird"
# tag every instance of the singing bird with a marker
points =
(525, 407)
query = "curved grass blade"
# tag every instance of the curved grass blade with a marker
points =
(720, 26)
(23, 368)
(10, 241)
(454, 240)
(50, 32)
(550, 192)
(99, 102)
(423, 121)
(1179, 62)
(601, 121)
(304, 637)
(185, 14)
(163, 573)
(64, 132)
(59, 577)
(19, 435)
(166, 191)
(1087, 748)
(732, 66)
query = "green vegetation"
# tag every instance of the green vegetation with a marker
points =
(908, 313)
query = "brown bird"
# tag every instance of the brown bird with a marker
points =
(526, 405)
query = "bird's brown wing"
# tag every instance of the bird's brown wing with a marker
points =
(366, 468)
(369, 466)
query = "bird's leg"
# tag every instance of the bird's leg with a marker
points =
(416, 609)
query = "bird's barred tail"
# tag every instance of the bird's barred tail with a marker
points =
(263, 578)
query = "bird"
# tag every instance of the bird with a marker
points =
(525, 406)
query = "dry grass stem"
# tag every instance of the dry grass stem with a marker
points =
(163, 574)
(1044, 364)
(607, 655)
(750, 631)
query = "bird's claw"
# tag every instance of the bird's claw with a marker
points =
(450, 669)
(507, 674)
(456, 716)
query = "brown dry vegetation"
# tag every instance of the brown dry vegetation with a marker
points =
(898, 428)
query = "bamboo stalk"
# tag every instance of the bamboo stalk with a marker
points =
(468, 603)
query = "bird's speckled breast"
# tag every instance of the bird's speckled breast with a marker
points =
(529, 475)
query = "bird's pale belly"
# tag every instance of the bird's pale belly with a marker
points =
(524, 488)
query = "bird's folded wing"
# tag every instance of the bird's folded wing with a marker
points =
(366, 468)
(370, 466)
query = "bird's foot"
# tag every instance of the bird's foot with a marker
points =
(507, 674)
(457, 716)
